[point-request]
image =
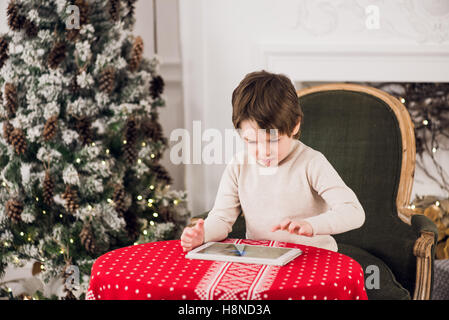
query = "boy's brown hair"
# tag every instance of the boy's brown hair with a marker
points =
(270, 100)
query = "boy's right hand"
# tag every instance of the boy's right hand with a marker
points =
(193, 237)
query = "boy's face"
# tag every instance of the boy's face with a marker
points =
(268, 148)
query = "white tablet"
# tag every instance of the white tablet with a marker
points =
(244, 253)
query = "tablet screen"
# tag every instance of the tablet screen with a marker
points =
(248, 251)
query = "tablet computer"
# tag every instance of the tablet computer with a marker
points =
(244, 253)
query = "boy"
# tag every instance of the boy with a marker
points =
(304, 202)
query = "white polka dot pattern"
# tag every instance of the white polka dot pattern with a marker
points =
(159, 270)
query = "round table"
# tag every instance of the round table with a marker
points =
(159, 270)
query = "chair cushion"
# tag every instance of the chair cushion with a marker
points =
(239, 228)
(389, 287)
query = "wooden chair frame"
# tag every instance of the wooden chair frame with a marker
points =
(423, 245)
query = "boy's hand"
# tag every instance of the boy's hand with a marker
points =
(301, 228)
(193, 237)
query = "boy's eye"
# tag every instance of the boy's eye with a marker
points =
(271, 141)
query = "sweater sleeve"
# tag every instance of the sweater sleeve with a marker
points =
(226, 209)
(346, 212)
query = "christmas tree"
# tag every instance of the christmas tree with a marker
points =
(81, 139)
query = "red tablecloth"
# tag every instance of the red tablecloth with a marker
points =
(159, 270)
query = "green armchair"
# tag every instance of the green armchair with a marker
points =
(368, 136)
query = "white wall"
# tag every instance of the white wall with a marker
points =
(168, 51)
(3, 24)
(221, 41)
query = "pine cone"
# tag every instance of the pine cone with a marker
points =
(83, 127)
(72, 34)
(87, 238)
(3, 51)
(107, 80)
(48, 188)
(151, 129)
(83, 5)
(14, 209)
(50, 128)
(131, 8)
(16, 21)
(74, 87)
(165, 213)
(7, 130)
(71, 198)
(136, 54)
(114, 9)
(57, 55)
(132, 226)
(18, 140)
(119, 199)
(156, 87)
(161, 173)
(65, 276)
(69, 295)
(130, 153)
(131, 130)
(31, 29)
(11, 99)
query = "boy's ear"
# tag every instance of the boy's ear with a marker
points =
(296, 129)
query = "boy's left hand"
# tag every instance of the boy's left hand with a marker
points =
(301, 228)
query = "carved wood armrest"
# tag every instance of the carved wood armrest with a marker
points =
(423, 252)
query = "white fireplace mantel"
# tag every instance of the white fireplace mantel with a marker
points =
(353, 62)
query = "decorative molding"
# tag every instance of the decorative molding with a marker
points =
(353, 62)
(418, 21)
(429, 18)
(171, 72)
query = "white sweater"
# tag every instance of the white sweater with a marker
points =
(304, 186)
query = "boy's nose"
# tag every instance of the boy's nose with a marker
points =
(264, 149)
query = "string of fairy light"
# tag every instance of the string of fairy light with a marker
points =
(425, 122)
(150, 201)
(428, 106)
